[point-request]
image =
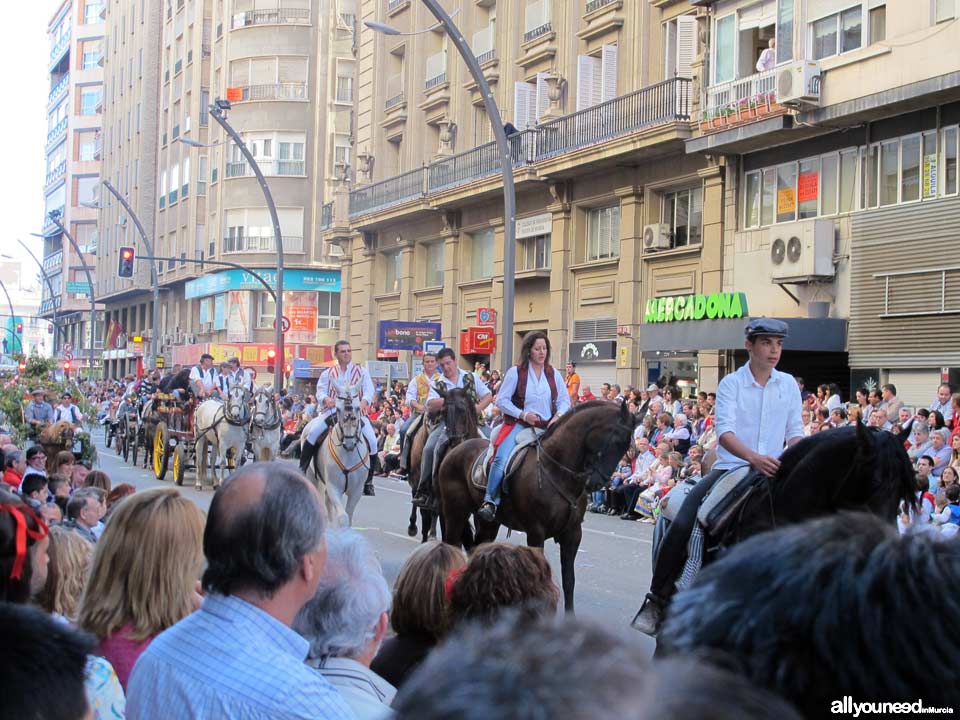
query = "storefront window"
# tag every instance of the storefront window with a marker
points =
(949, 136)
(808, 188)
(910, 168)
(889, 164)
(829, 165)
(769, 196)
(786, 192)
(752, 201)
(848, 180)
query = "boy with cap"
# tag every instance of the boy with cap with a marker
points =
(757, 414)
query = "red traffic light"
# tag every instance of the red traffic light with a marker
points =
(125, 262)
(22, 366)
(66, 365)
(127, 254)
(19, 327)
(271, 354)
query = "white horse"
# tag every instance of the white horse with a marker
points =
(344, 459)
(223, 425)
(265, 425)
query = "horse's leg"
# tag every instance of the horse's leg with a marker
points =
(200, 448)
(569, 545)
(353, 495)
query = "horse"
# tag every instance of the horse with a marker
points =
(848, 468)
(223, 425)
(54, 438)
(342, 463)
(461, 422)
(546, 494)
(265, 425)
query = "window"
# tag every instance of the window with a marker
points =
(596, 80)
(344, 88)
(86, 145)
(786, 192)
(944, 10)
(725, 42)
(481, 254)
(290, 158)
(91, 52)
(751, 200)
(808, 188)
(683, 212)
(680, 43)
(949, 144)
(603, 233)
(910, 148)
(202, 175)
(328, 310)
(889, 165)
(90, 97)
(829, 177)
(85, 190)
(91, 13)
(928, 167)
(870, 175)
(837, 33)
(784, 31)
(433, 265)
(392, 271)
(534, 253)
(877, 20)
(266, 310)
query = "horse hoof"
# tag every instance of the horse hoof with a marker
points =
(412, 531)
(198, 487)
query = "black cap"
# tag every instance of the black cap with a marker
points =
(766, 326)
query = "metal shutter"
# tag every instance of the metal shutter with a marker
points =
(917, 388)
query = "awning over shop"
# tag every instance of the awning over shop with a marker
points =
(806, 334)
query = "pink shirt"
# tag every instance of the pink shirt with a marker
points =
(122, 652)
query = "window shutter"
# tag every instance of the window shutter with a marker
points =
(240, 73)
(543, 101)
(586, 71)
(524, 100)
(294, 70)
(263, 71)
(608, 61)
(686, 45)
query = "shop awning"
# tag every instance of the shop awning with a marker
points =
(806, 334)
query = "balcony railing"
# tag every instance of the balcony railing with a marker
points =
(664, 102)
(392, 191)
(58, 172)
(57, 50)
(271, 16)
(434, 81)
(394, 4)
(486, 57)
(394, 101)
(261, 243)
(59, 89)
(53, 262)
(736, 94)
(596, 5)
(480, 162)
(270, 168)
(274, 91)
(537, 32)
(326, 216)
(57, 130)
(48, 304)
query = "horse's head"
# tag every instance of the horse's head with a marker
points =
(348, 407)
(605, 448)
(59, 433)
(460, 416)
(264, 408)
(235, 406)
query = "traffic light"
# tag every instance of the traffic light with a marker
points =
(66, 368)
(50, 329)
(125, 264)
(22, 366)
(271, 360)
(19, 328)
(287, 369)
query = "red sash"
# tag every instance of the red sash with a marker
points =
(519, 395)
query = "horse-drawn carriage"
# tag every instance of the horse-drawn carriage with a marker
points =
(172, 436)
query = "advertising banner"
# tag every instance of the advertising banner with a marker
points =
(301, 308)
(395, 335)
(238, 316)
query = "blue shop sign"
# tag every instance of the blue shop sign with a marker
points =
(235, 279)
(396, 335)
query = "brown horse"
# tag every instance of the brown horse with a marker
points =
(546, 495)
(55, 438)
(461, 422)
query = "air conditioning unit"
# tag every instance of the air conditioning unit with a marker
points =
(799, 83)
(802, 250)
(656, 237)
(335, 250)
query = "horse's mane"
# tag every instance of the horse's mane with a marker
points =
(576, 411)
(55, 433)
(458, 406)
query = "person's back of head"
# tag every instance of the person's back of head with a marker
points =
(263, 521)
(824, 609)
(420, 599)
(525, 668)
(23, 550)
(42, 666)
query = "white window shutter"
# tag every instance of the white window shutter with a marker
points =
(686, 45)
(543, 100)
(586, 71)
(524, 112)
(608, 71)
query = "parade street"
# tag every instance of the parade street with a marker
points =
(613, 565)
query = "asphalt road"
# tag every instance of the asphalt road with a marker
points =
(613, 565)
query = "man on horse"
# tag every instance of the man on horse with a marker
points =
(530, 396)
(757, 414)
(480, 396)
(343, 373)
(203, 378)
(417, 392)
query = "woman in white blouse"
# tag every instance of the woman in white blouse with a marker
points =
(533, 394)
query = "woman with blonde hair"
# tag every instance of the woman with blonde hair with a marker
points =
(144, 574)
(420, 616)
(69, 562)
(62, 464)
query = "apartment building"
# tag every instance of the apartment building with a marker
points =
(841, 171)
(128, 147)
(74, 115)
(611, 208)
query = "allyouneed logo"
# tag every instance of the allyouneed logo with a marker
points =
(848, 707)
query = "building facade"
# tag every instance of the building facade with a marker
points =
(74, 120)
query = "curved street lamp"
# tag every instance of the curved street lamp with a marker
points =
(46, 279)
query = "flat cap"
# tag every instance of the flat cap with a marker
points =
(766, 326)
(38, 391)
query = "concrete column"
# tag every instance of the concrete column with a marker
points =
(560, 322)
(451, 311)
(361, 308)
(630, 283)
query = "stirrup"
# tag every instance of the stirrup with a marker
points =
(421, 500)
(649, 616)
(487, 511)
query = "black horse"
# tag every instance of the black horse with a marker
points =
(850, 468)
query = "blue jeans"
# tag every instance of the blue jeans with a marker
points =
(499, 466)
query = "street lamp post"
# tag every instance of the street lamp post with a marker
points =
(46, 279)
(155, 312)
(506, 166)
(55, 219)
(217, 113)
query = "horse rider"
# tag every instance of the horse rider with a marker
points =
(757, 414)
(533, 394)
(239, 376)
(416, 399)
(343, 373)
(479, 394)
(203, 378)
(66, 410)
(149, 384)
(38, 413)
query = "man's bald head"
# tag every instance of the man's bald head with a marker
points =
(263, 521)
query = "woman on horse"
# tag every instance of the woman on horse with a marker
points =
(533, 394)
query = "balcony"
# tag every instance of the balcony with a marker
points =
(59, 48)
(59, 89)
(435, 81)
(395, 4)
(56, 131)
(56, 173)
(271, 16)
(539, 31)
(486, 57)
(276, 91)
(389, 192)
(261, 243)
(480, 162)
(326, 216)
(50, 304)
(269, 168)
(741, 96)
(98, 147)
(595, 5)
(53, 262)
(394, 101)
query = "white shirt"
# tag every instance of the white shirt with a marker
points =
(71, 413)
(642, 465)
(763, 418)
(945, 409)
(413, 388)
(536, 398)
(834, 403)
(482, 389)
(367, 694)
(207, 377)
(767, 60)
(334, 378)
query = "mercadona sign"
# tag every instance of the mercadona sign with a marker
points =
(715, 306)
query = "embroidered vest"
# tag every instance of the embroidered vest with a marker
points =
(520, 394)
(423, 386)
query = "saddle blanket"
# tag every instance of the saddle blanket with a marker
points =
(481, 466)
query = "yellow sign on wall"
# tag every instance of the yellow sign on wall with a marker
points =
(786, 201)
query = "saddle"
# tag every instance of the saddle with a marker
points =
(725, 499)
(481, 466)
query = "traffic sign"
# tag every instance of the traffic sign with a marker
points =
(68, 356)
(486, 316)
(433, 346)
(284, 324)
(67, 347)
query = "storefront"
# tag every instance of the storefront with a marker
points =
(596, 363)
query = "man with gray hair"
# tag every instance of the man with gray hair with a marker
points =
(346, 621)
(83, 513)
(237, 656)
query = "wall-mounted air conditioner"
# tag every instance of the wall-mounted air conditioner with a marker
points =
(799, 83)
(802, 250)
(656, 237)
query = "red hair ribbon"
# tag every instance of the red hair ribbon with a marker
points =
(451, 581)
(22, 533)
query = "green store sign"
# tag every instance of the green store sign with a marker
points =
(715, 306)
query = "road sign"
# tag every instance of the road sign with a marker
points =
(160, 361)
(68, 356)
(67, 347)
(284, 324)
(486, 316)
(78, 288)
(433, 346)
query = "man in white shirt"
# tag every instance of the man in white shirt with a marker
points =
(238, 375)
(768, 58)
(203, 378)
(757, 414)
(66, 410)
(942, 404)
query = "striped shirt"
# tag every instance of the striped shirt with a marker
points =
(232, 661)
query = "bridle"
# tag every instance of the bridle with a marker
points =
(346, 416)
(236, 412)
(265, 420)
